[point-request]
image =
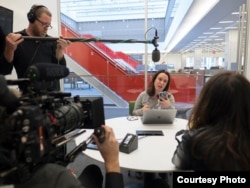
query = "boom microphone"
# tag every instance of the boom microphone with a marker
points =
(156, 53)
(93, 39)
(46, 72)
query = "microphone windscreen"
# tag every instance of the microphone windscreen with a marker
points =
(46, 72)
(156, 55)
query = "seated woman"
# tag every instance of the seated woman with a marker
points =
(219, 127)
(151, 99)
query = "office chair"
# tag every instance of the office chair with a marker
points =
(131, 107)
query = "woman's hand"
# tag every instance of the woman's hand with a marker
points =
(145, 107)
(164, 102)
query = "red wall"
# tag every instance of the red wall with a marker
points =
(125, 84)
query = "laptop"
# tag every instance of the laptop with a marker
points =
(155, 116)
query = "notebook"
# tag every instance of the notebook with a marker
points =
(155, 116)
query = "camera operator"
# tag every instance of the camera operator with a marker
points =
(55, 176)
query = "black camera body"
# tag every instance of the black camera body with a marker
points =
(27, 131)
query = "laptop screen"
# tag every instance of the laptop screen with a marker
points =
(155, 116)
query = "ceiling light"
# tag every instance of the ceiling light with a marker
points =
(215, 28)
(231, 27)
(221, 32)
(239, 13)
(223, 22)
(235, 13)
(213, 36)
(208, 33)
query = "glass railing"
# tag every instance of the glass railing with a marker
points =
(185, 87)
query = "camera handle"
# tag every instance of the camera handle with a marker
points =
(99, 132)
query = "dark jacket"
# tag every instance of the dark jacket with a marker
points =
(2, 42)
(55, 176)
(182, 157)
(199, 158)
(30, 52)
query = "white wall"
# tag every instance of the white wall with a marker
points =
(174, 59)
(22, 7)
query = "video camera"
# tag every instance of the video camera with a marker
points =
(35, 127)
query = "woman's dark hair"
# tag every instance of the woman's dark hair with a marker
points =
(224, 96)
(223, 111)
(151, 88)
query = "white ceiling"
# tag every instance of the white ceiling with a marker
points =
(202, 35)
(102, 10)
(210, 31)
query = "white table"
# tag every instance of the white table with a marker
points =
(154, 153)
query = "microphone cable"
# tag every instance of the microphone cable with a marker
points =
(155, 52)
(35, 53)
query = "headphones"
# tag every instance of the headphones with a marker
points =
(31, 15)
